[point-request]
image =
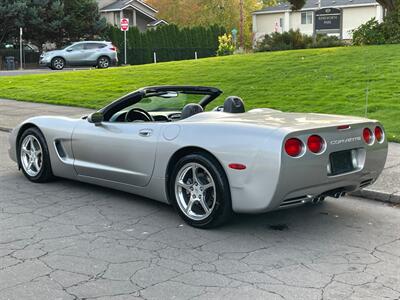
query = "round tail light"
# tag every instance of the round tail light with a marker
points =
(294, 147)
(315, 144)
(368, 136)
(379, 134)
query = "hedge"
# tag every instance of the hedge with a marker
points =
(169, 42)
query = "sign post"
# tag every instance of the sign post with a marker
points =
(20, 49)
(125, 28)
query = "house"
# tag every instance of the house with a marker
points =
(139, 13)
(337, 17)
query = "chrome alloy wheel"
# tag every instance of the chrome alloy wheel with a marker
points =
(195, 191)
(104, 63)
(31, 155)
(58, 63)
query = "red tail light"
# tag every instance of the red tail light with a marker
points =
(113, 48)
(315, 144)
(379, 134)
(294, 147)
(368, 136)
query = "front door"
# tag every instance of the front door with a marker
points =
(119, 152)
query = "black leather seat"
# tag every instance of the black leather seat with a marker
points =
(191, 110)
(234, 105)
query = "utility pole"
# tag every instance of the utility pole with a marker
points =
(241, 24)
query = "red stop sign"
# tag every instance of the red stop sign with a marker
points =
(124, 24)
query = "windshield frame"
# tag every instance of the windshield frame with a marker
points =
(210, 94)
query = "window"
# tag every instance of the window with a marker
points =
(306, 17)
(281, 23)
(91, 46)
(76, 47)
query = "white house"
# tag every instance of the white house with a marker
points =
(281, 18)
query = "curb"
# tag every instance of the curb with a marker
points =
(366, 193)
(378, 196)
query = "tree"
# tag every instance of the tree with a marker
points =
(12, 16)
(82, 19)
(44, 21)
(54, 21)
(224, 13)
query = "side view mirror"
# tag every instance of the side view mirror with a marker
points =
(70, 50)
(96, 118)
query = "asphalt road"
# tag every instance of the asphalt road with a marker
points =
(68, 240)
(37, 71)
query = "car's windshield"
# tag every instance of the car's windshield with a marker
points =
(171, 101)
(66, 46)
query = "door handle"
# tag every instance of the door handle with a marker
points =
(146, 132)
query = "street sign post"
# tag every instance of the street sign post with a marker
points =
(125, 28)
(20, 48)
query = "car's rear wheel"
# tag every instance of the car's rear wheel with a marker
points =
(103, 62)
(57, 63)
(34, 156)
(199, 190)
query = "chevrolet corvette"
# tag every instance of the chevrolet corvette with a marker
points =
(171, 144)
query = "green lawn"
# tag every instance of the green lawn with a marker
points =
(333, 80)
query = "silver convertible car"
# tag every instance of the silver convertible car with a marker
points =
(161, 143)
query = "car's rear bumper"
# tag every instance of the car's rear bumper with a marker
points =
(300, 180)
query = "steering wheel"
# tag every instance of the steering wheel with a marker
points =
(138, 114)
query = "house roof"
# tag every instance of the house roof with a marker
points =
(313, 5)
(157, 22)
(121, 4)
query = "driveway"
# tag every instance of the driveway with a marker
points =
(68, 240)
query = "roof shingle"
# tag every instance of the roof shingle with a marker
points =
(313, 5)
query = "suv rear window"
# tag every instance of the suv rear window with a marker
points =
(91, 46)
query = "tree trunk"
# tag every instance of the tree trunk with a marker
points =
(389, 5)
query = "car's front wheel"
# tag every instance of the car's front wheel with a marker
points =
(103, 62)
(58, 63)
(34, 156)
(199, 190)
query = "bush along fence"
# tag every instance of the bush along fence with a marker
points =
(167, 43)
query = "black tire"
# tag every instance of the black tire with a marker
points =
(223, 206)
(45, 174)
(103, 62)
(57, 63)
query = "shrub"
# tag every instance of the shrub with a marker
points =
(226, 46)
(326, 41)
(370, 33)
(391, 27)
(375, 33)
(294, 39)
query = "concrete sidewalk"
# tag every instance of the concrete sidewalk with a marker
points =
(387, 188)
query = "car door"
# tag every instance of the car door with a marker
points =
(74, 54)
(119, 152)
(93, 51)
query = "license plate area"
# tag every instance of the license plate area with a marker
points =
(341, 162)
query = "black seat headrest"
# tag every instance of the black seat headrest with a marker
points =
(191, 110)
(234, 105)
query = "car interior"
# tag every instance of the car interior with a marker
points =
(232, 104)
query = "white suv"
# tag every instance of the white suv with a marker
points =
(88, 53)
